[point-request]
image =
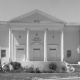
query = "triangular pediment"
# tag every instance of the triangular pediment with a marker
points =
(36, 16)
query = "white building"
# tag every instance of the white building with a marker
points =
(37, 36)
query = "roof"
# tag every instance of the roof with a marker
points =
(36, 16)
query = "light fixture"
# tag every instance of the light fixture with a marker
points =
(53, 36)
(36, 34)
(19, 36)
(78, 49)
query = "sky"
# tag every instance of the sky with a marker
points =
(66, 10)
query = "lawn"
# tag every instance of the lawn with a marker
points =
(40, 76)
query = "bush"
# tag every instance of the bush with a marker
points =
(53, 66)
(16, 65)
(64, 69)
(48, 71)
(30, 69)
(5, 67)
(36, 70)
(44, 71)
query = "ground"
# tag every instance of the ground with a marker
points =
(29, 76)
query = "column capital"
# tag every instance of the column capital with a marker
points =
(45, 29)
(27, 29)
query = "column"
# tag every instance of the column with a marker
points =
(27, 45)
(12, 48)
(9, 43)
(45, 45)
(62, 45)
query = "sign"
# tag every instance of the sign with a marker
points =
(36, 39)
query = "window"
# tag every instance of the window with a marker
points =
(68, 53)
(3, 53)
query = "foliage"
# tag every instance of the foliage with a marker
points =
(70, 68)
(36, 70)
(5, 67)
(48, 71)
(53, 66)
(16, 65)
(30, 69)
(64, 69)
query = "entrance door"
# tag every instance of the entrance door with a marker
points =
(20, 53)
(53, 52)
(36, 54)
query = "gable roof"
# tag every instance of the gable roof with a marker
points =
(36, 16)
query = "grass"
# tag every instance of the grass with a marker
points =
(29, 76)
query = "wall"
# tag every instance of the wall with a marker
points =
(19, 39)
(4, 41)
(71, 42)
(53, 38)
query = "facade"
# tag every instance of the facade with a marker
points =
(37, 36)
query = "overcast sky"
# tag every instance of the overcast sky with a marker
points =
(67, 10)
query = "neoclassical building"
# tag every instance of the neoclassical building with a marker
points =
(38, 36)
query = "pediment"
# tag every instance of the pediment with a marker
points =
(36, 16)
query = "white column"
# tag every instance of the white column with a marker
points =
(62, 45)
(45, 45)
(12, 48)
(27, 48)
(9, 43)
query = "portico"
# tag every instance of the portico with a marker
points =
(36, 45)
(36, 36)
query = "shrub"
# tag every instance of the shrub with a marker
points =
(53, 66)
(30, 69)
(36, 70)
(70, 68)
(16, 65)
(5, 67)
(48, 71)
(1, 69)
(45, 71)
(64, 69)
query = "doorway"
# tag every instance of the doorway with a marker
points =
(52, 52)
(20, 53)
(36, 54)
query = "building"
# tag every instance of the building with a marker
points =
(38, 36)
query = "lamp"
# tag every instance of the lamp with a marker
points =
(78, 49)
